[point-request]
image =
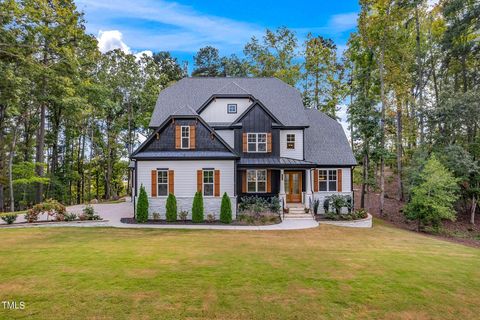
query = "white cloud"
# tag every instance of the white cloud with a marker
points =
(148, 53)
(187, 29)
(343, 22)
(110, 40)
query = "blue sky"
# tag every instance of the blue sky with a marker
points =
(182, 27)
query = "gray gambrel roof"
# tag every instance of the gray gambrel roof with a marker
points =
(325, 141)
(283, 100)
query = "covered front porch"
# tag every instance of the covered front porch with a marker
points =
(289, 179)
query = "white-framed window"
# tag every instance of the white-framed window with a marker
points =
(327, 180)
(162, 183)
(231, 108)
(257, 181)
(257, 142)
(185, 130)
(290, 141)
(208, 183)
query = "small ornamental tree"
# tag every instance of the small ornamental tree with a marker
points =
(197, 208)
(171, 208)
(433, 198)
(226, 209)
(142, 206)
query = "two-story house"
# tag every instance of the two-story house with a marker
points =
(242, 136)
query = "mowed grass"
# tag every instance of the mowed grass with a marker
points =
(323, 273)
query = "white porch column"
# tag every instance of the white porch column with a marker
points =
(308, 187)
(282, 185)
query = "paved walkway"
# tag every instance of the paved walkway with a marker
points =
(113, 212)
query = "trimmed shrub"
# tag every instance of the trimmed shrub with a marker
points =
(197, 208)
(142, 206)
(326, 205)
(226, 209)
(9, 218)
(316, 204)
(210, 218)
(183, 215)
(70, 216)
(171, 208)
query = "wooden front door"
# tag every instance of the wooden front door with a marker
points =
(293, 186)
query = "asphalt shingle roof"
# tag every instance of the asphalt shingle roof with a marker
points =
(325, 141)
(280, 98)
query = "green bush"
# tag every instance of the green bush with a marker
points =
(70, 217)
(316, 204)
(197, 208)
(9, 218)
(171, 208)
(432, 199)
(183, 215)
(142, 206)
(226, 209)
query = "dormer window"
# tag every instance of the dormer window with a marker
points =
(232, 108)
(185, 137)
(290, 141)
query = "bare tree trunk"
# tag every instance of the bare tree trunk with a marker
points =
(10, 166)
(364, 180)
(2, 162)
(473, 209)
(399, 151)
(419, 77)
(382, 129)
(39, 157)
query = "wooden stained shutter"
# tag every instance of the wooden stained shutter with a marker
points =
(199, 180)
(269, 181)
(171, 182)
(339, 180)
(178, 137)
(315, 180)
(269, 142)
(154, 183)
(244, 181)
(216, 180)
(244, 143)
(192, 137)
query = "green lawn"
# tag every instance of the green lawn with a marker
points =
(324, 273)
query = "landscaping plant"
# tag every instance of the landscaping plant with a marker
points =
(142, 206)
(316, 204)
(183, 215)
(197, 208)
(433, 198)
(171, 208)
(226, 209)
(9, 218)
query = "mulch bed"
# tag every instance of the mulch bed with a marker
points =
(190, 223)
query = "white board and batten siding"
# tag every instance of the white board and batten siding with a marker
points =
(296, 153)
(228, 136)
(185, 184)
(216, 111)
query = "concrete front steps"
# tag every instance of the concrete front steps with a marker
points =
(297, 212)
